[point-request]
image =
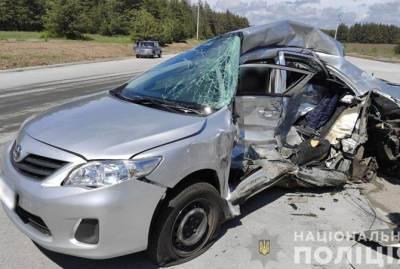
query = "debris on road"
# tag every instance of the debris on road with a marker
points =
(312, 215)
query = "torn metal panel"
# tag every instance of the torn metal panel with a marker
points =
(268, 168)
(321, 177)
(269, 174)
(337, 161)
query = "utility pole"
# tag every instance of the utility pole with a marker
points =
(337, 26)
(198, 19)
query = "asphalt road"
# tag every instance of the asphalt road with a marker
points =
(275, 215)
(25, 93)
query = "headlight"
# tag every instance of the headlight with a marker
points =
(110, 172)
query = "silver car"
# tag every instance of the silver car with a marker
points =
(159, 163)
(147, 49)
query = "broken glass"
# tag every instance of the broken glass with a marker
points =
(206, 75)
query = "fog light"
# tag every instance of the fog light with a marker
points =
(88, 231)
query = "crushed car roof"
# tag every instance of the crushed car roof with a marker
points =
(289, 34)
(261, 41)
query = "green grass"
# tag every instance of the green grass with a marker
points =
(30, 36)
(19, 36)
(119, 39)
(373, 51)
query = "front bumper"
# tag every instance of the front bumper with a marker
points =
(124, 211)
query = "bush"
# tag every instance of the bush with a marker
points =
(65, 18)
(45, 36)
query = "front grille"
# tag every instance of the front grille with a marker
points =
(33, 220)
(38, 167)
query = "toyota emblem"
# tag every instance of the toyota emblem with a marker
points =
(17, 152)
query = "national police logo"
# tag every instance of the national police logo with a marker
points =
(264, 247)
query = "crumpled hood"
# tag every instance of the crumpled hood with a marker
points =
(104, 127)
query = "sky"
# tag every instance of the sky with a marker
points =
(320, 13)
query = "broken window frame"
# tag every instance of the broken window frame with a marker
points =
(287, 91)
(284, 54)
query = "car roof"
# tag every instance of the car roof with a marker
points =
(289, 34)
(146, 41)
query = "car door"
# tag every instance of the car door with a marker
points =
(260, 96)
(262, 92)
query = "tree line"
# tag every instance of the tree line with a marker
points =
(164, 20)
(369, 33)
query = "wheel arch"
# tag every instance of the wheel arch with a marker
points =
(204, 175)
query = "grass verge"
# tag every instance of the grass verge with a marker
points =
(24, 49)
(381, 52)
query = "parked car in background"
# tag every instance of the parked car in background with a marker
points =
(147, 49)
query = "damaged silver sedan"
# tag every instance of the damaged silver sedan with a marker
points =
(160, 162)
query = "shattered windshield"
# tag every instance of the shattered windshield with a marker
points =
(206, 75)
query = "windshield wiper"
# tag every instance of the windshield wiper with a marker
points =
(155, 102)
(184, 108)
(163, 104)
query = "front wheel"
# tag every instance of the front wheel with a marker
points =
(186, 225)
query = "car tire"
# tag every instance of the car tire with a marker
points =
(137, 56)
(159, 55)
(186, 225)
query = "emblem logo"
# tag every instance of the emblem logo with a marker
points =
(264, 247)
(17, 152)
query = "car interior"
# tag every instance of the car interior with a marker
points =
(301, 126)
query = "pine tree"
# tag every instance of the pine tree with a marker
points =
(342, 32)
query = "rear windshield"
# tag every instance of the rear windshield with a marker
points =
(145, 44)
(206, 75)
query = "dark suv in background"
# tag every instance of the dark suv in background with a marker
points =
(147, 49)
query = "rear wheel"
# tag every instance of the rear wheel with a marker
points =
(186, 225)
